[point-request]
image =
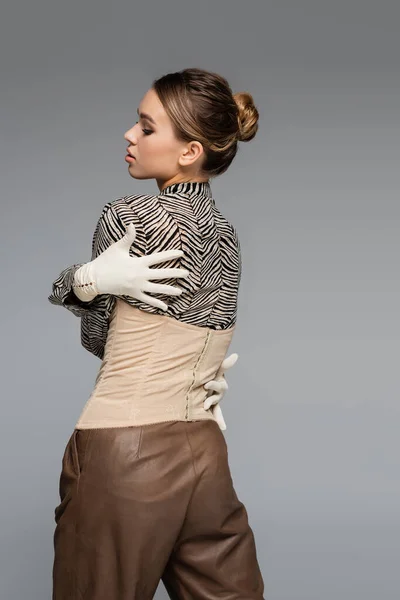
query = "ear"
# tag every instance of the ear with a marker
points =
(191, 153)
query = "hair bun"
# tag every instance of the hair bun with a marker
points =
(248, 116)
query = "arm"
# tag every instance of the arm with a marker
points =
(114, 273)
(62, 292)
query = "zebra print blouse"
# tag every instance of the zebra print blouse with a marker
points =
(182, 216)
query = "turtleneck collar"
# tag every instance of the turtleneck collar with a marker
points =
(202, 188)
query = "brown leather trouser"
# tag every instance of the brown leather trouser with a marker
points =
(150, 502)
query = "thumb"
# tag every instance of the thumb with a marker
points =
(129, 236)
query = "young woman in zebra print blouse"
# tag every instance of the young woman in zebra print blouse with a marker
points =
(160, 347)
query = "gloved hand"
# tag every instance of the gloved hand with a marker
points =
(219, 385)
(115, 272)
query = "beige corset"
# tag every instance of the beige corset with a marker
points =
(154, 369)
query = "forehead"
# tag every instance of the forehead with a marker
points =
(151, 105)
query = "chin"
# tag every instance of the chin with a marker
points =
(136, 176)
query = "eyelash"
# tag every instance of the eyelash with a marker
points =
(145, 131)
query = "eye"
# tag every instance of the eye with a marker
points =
(145, 131)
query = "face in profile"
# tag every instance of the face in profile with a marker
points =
(156, 150)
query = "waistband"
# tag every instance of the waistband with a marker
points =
(154, 370)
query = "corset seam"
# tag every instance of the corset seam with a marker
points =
(205, 346)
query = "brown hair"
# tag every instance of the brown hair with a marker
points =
(202, 107)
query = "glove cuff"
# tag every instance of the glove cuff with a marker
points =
(84, 286)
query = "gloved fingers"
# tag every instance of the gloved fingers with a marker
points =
(161, 288)
(228, 362)
(212, 400)
(166, 273)
(150, 300)
(217, 414)
(219, 385)
(156, 257)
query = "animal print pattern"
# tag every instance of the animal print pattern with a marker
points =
(182, 216)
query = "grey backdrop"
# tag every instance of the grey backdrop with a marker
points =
(313, 407)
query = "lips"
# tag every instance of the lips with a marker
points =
(130, 153)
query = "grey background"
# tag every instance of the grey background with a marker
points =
(313, 407)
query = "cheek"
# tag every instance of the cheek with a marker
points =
(158, 148)
(151, 143)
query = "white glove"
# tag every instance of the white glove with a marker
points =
(115, 272)
(219, 385)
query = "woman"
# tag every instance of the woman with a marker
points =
(146, 490)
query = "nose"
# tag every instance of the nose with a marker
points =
(129, 136)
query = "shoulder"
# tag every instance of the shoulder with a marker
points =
(120, 211)
(148, 212)
(125, 206)
(134, 201)
(226, 228)
(116, 215)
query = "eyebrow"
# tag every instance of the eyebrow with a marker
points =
(146, 116)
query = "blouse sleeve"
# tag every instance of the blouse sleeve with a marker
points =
(62, 293)
(94, 314)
